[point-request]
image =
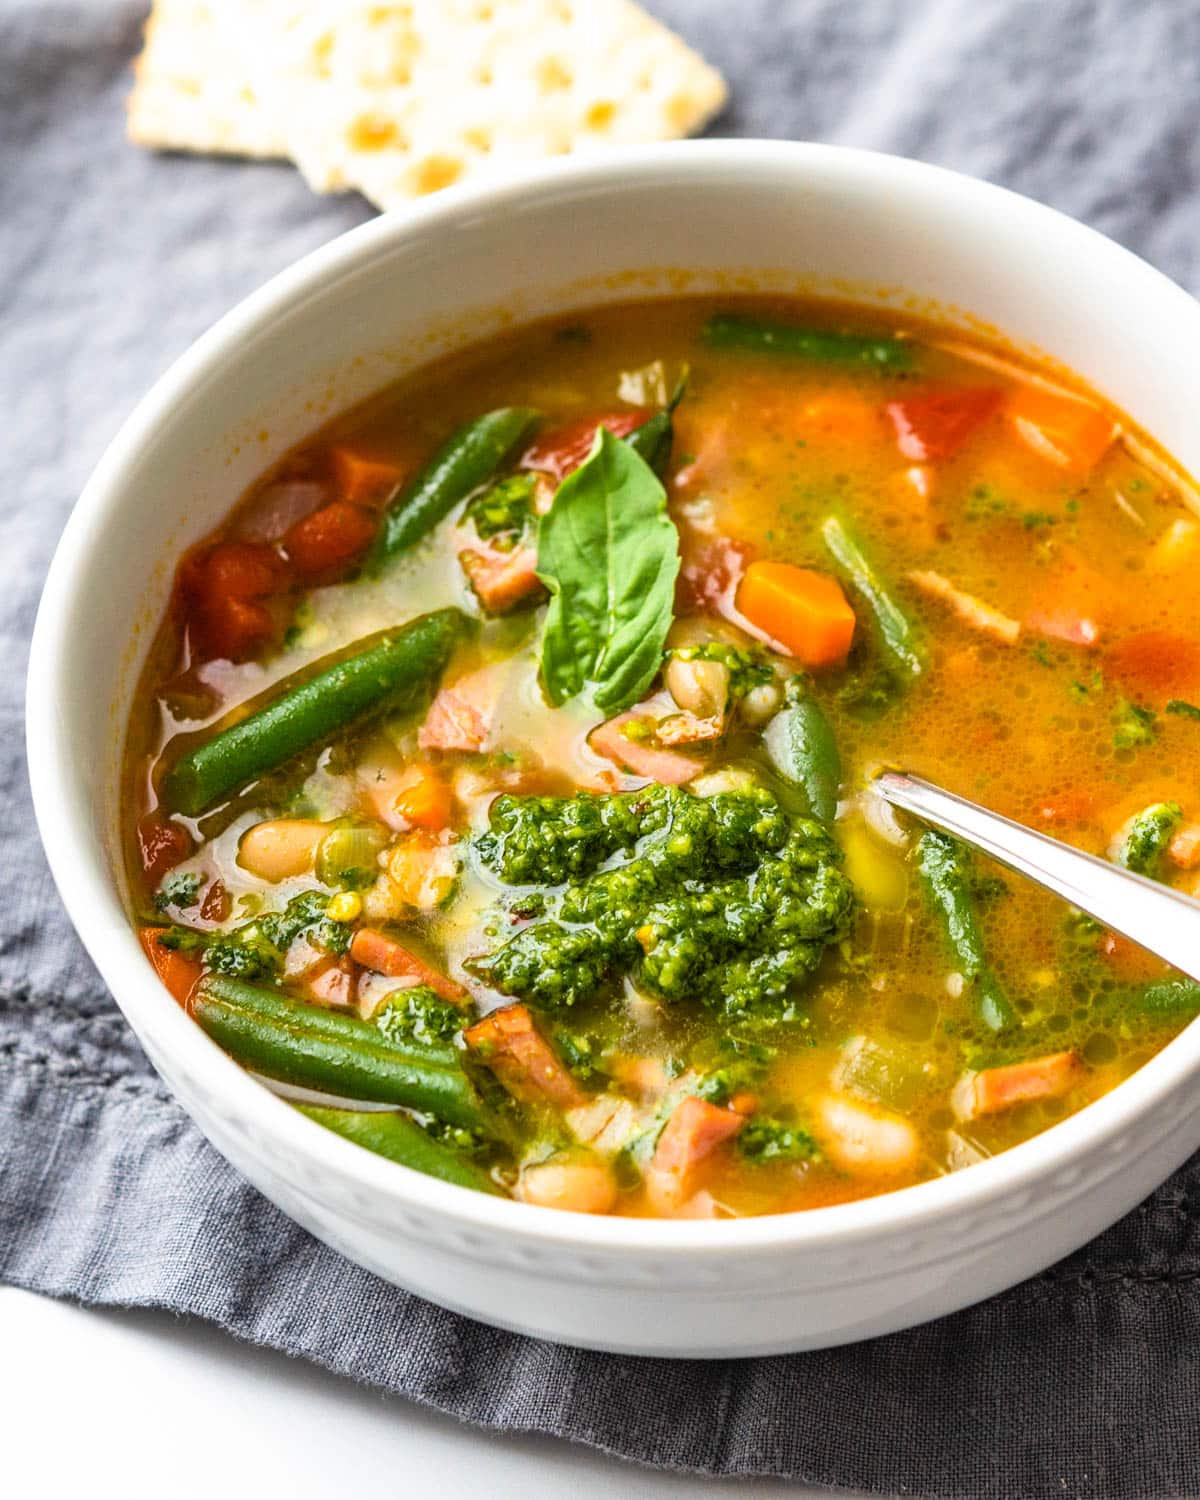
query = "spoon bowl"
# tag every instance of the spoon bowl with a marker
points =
(1163, 921)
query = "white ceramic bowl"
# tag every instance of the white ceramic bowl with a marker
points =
(724, 215)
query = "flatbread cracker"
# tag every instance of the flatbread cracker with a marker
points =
(193, 92)
(398, 100)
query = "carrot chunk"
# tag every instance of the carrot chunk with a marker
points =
(424, 799)
(561, 451)
(997, 1089)
(178, 971)
(522, 1059)
(360, 479)
(329, 538)
(805, 611)
(1064, 430)
(382, 954)
(936, 425)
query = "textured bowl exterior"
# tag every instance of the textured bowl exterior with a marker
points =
(361, 311)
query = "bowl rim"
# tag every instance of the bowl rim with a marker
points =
(79, 865)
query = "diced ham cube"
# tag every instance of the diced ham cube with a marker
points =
(522, 1059)
(377, 951)
(996, 1089)
(694, 1131)
(502, 580)
(452, 723)
(665, 766)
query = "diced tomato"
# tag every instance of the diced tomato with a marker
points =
(997, 1089)
(502, 580)
(329, 539)
(161, 845)
(424, 799)
(562, 450)
(360, 479)
(521, 1058)
(1159, 664)
(936, 424)
(1064, 430)
(222, 589)
(178, 971)
(668, 767)
(453, 723)
(216, 904)
(382, 954)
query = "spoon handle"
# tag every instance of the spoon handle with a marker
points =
(1163, 921)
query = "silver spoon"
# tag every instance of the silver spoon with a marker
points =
(1163, 921)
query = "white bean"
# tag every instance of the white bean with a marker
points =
(577, 1181)
(281, 847)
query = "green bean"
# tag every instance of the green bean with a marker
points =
(943, 868)
(331, 1023)
(394, 670)
(654, 439)
(335, 1065)
(801, 746)
(402, 1140)
(1166, 998)
(896, 630)
(1147, 836)
(760, 336)
(469, 459)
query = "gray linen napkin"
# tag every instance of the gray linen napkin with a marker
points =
(1082, 1382)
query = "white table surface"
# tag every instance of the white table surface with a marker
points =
(164, 1406)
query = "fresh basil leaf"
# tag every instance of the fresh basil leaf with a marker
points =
(608, 553)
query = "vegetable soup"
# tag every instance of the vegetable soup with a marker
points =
(499, 784)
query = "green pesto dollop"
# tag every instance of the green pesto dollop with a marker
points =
(258, 949)
(724, 899)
